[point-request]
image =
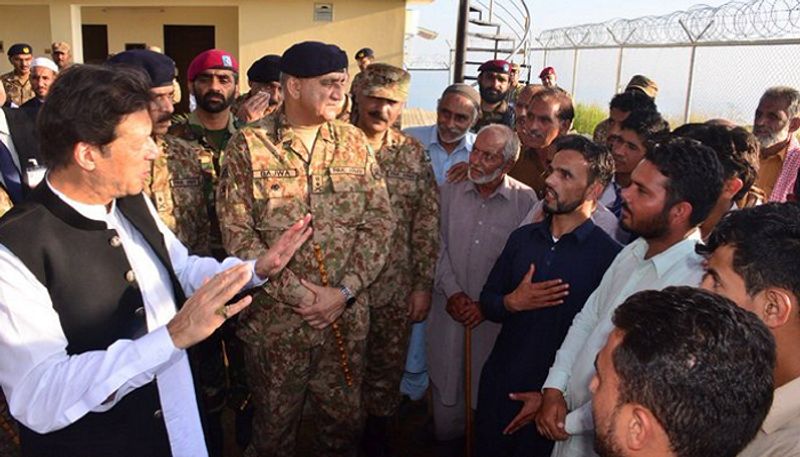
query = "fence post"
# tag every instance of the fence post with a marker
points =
(619, 69)
(574, 72)
(687, 111)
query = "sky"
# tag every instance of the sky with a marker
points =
(721, 87)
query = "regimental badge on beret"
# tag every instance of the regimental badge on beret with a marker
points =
(226, 61)
(496, 66)
(364, 52)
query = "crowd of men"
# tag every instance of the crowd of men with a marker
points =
(266, 254)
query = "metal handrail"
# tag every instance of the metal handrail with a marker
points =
(521, 29)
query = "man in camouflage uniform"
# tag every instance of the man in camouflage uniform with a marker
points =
(265, 95)
(494, 82)
(402, 292)
(297, 161)
(17, 82)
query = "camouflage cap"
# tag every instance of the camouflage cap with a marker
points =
(386, 81)
(644, 84)
(60, 46)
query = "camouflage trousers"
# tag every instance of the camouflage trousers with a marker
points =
(283, 376)
(9, 435)
(387, 344)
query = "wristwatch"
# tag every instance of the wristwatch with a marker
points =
(349, 298)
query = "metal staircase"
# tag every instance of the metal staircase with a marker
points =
(498, 29)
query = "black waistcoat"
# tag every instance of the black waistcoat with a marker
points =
(94, 291)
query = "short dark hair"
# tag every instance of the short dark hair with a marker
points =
(736, 148)
(86, 104)
(693, 172)
(632, 100)
(766, 242)
(599, 158)
(702, 366)
(648, 125)
(566, 110)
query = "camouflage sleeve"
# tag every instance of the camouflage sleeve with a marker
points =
(235, 212)
(425, 231)
(201, 244)
(371, 247)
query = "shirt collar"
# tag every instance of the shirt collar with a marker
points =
(581, 232)
(785, 406)
(665, 260)
(4, 124)
(93, 212)
(433, 138)
(503, 190)
(194, 120)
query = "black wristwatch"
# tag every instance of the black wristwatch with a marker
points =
(349, 298)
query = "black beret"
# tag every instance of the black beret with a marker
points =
(364, 52)
(266, 69)
(310, 59)
(19, 48)
(160, 68)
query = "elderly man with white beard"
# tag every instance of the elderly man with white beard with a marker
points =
(477, 217)
(777, 119)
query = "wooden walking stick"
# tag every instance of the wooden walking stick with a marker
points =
(468, 387)
(344, 361)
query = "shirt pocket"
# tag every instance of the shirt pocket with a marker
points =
(348, 201)
(278, 203)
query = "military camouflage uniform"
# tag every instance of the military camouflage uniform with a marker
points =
(410, 267)
(17, 92)
(176, 189)
(269, 180)
(5, 201)
(189, 128)
(502, 114)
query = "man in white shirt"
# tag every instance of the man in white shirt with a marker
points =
(672, 191)
(93, 344)
(753, 259)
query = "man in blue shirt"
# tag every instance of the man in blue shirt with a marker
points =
(540, 281)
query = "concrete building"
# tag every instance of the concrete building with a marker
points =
(183, 28)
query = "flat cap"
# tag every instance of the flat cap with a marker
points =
(266, 69)
(496, 66)
(310, 59)
(386, 81)
(19, 48)
(364, 52)
(644, 84)
(212, 59)
(547, 71)
(44, 62)
(465, 90)
(160, 68)
(60, 46)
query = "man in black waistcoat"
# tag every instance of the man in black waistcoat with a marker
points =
(94, 315)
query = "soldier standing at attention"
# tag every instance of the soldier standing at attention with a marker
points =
(305, 340)
(402, 292)
(17, 82)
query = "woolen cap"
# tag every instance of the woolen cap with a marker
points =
(465, 90)
(159, 67)
(212, 59)
(386, 81)
(19, 48)
(266, 69)
(310, 59)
